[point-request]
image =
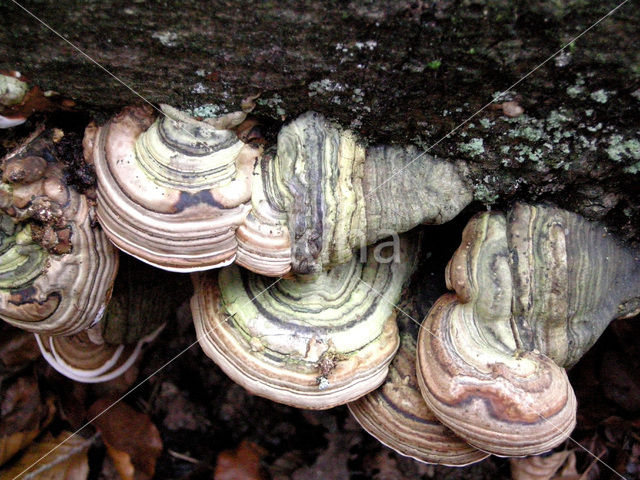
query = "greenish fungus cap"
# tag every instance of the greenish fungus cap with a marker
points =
(308, 341)
(534, 290)
(56, 265)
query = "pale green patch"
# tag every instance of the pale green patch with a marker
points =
(601, 96)
(166, 38)
(358, 95)
(577, 89)
(326, 85)
(485, 194)
(486, 123)
(208, 110)
(474, 147)
(274, 103)
(620, 149)
(557, 118)
(635, 168)
(533, 132)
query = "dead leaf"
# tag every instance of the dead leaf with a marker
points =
(282, 467)
(67, 462)
(132, 440)
(118, 385)
(386, 467)
(23, 415)
(122, 462)
(332, 463)
(540, 467)
(243, 463)
(38, 101)
(619, 373)
(17, 347)
(180, 412)
(72, 401)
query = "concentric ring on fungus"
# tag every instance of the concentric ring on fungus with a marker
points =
(310, 342)
(397, 415)
(534, 290)
(183, 195)
(331, 194)
(143, 300)
(56, 265)
(86, 357)
(171, 191)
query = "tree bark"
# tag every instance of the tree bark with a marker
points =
(394, 71)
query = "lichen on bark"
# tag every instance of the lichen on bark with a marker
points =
(395, 72)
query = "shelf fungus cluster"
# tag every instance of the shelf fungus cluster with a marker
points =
(188, 195)
(535, 288)
(312, 341)
(397, 415)
(57, 268)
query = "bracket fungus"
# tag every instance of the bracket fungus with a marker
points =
(535, 288)
(56, 265)
(171, 191)
(86, 357)
(143, 300)
(337, 195)
(188, 195)
(308, 341)
(397, 415)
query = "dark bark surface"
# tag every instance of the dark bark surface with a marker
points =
(405, 72)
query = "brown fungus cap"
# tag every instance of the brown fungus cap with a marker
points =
(397, 415)
(534, 290)
(172, 190)
(310, 342)
(86, 357)
(188, 195)
(56, 265)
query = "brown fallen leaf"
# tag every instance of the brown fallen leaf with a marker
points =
(132, 440)
(332, 462)
(118, 385)
(243, 463)
(385, 467)
(23, 415)
(67, 462)
(17, 348)
(540, 467)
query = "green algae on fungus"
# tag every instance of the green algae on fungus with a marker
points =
(56, 266)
